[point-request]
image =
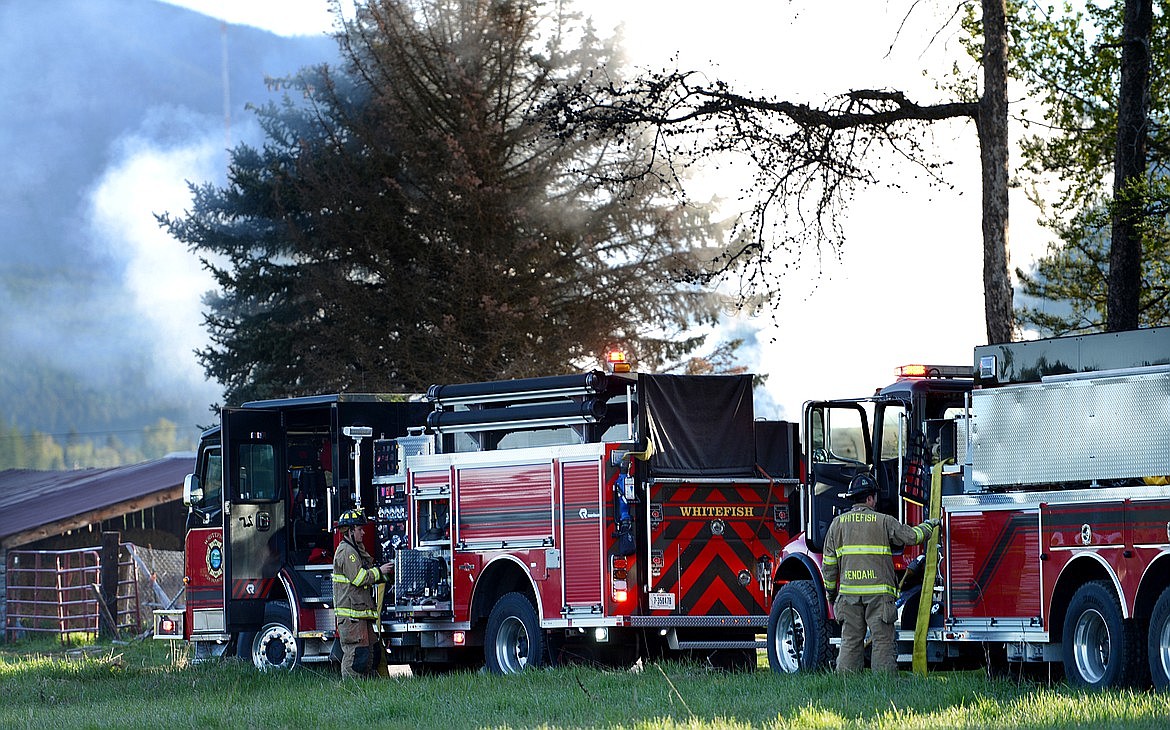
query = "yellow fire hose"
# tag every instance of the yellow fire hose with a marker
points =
(380, 594)
(926, 596)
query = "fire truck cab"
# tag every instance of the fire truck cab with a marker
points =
(895, 435)
(269, 485)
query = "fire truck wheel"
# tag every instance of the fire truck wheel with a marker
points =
(1158, 645)
(1100, 649)
(798, 630)
(514, 641)
(275, 646)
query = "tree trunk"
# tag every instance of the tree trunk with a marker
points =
(992, 123)
(1129, 168)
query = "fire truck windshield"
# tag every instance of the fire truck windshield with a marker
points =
(212, 480)
(207, 503)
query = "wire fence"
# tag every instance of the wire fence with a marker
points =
(160, 579)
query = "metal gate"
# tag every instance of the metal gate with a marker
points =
(59, 592)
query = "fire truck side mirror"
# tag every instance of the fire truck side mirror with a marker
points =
(192, 490)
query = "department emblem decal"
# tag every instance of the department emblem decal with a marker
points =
(214, 558)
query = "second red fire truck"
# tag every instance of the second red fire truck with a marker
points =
(1052, 459)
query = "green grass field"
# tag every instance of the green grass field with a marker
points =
(149, 684)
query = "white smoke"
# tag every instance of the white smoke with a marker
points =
(165, 281)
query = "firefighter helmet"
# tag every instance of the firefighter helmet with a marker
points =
(352, 518)
(861, 487)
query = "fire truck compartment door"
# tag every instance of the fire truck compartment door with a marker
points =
(582, 532)
(254, 527)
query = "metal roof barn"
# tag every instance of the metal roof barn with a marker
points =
(39, 504)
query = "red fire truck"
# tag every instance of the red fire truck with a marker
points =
(604, 516)
(1056, 537)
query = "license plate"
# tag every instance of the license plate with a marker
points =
(661, 601)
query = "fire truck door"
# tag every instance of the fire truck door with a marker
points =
(254, 521)
(837, 448)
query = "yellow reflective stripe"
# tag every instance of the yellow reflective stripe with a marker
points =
(869, 590)
(360, 577)
(920, 534)
(864, 550)
(829, 560)
(367, 613)
(368, 576)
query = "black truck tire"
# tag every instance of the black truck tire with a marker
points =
(1158, 642)
(514, 640)
(798, 630)
(1100, 649)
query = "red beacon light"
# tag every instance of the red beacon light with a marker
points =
(912, 371)
(934, 371)
(616, 360)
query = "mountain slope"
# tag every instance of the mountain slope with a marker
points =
(93, 92)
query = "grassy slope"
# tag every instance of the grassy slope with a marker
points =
(147, 684)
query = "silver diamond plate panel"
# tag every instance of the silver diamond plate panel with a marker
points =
(1075, 431)
(703, 621)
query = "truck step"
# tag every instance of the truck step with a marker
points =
(758, 644)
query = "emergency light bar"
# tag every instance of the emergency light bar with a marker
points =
(935, 371)
(616, 359)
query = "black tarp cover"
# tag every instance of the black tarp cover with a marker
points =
(701, 425)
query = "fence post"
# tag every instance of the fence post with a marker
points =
(111, 544)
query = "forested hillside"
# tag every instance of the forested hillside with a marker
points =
(52, 419)
(95, 95)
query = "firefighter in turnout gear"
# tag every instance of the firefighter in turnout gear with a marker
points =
(859, 576)
(354, 578)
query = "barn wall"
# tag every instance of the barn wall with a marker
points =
(3, 591)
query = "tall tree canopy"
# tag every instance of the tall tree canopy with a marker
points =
(810, 159)
(409, 221)
(1104, 147)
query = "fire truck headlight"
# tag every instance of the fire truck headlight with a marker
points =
(601, 634)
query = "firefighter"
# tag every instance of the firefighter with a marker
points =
(354, 578)
(859, 576)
